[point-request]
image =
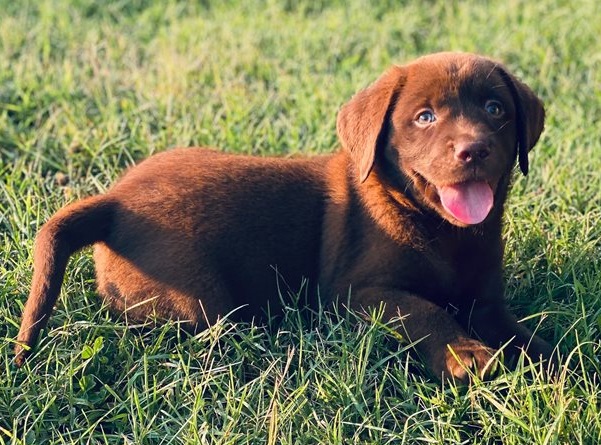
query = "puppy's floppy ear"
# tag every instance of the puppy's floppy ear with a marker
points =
(530, 115)
(362, 121)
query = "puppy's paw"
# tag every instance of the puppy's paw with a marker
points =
(539, 350)
(466, 356)
(541, 353)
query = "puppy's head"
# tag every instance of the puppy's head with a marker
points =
(451, 124)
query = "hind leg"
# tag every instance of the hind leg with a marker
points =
(194, 298)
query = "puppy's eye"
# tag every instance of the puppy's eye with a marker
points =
(494, 108)
(425, 117)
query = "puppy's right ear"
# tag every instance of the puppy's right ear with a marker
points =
(530, 117)
(362, 121)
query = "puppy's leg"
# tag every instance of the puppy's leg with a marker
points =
(154, 301)
(494, 324)
(176, 285)
(439, 338)
(162, 305)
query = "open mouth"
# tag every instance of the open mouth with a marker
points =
(469, 202)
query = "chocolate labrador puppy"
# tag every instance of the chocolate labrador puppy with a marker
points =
(408, 214)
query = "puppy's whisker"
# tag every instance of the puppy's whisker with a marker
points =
(503, 125)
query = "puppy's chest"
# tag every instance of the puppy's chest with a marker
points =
(462, 270)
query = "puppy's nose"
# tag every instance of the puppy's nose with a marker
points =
(471, 151)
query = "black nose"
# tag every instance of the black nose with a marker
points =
(471, 151)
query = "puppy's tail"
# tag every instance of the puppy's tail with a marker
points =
(70, 229)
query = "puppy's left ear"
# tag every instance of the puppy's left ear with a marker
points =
(530, 115)
(363, 120)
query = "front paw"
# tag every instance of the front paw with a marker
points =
(538, 350)
(465, 356)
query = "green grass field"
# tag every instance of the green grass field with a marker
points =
(88, 88)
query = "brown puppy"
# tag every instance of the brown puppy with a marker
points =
(407, 214)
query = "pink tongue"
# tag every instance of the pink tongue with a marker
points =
(469, 202)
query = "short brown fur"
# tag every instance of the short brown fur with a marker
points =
(192, 234)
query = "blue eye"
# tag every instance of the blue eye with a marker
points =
(425, 117)
(494, 108)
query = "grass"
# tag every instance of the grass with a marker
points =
(88, 88)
